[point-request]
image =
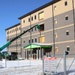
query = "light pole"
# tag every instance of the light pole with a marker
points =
(65, 53)
(64, 63)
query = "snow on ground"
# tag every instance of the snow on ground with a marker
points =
(22, 67)
(34, 67)
(22, 71)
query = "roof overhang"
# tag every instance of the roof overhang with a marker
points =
(38, 45)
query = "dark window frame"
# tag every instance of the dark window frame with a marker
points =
(32, 40)
(66, 3)
(35, 39)
(32, 18)
(66, 18)
(35, 17)
(67, 33)
(28, 19)
(68, 48)
(23, 21)
(42, 28)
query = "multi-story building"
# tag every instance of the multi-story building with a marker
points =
(57, 22)
(12, 32)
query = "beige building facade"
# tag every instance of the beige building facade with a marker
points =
(57, 22)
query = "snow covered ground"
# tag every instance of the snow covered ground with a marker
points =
(22, 67)
(34, 67)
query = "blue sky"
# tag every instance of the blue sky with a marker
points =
(11, 10)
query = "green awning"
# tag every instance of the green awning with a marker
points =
(37, 45)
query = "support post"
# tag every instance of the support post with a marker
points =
(37, 54)
(43, 61)
(40, 54)
(26, 53)
(65, 63)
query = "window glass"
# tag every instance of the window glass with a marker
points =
(23, 21)
(41, 15)
(55, 21)
(66, 18)
(28, 19)
(32, 41)
(67, 32)
(42, 27)
(66, 3)
(35, 39)
(68, 48)
(56, 35)
(32, 18)
(35, 17)
(54, 7)
(56, 49)
(42, 39)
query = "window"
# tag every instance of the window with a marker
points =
(19, 44)
(16, 29)
(10, 31)
(54, 7)
(24, 41)
(41, 15)
(68, 48)
(55, 21)
(35, 17)
(56, 49)
(32, 18)
(56, 35)
(23, 21)
(66, 3)
(29, 41)
(32, 40)
(67, 32)
(28, 19)
(42, 39)
(42, 27)
(35, 39)
(66, 18)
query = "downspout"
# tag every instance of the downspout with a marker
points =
(53, 32)
(73, 18)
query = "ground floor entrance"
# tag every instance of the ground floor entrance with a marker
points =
(34, 51)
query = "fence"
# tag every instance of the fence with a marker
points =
(34, 67)
(21, 67)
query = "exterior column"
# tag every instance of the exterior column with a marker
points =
(31, 54)
(42, 50)
(26, 53)
(37, 54)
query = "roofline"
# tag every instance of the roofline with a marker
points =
(12, 26)
(46, 5)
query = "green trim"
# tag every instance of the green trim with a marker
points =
(32, 46)
(38, 27)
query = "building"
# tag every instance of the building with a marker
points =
(57, 22)
(12, 32)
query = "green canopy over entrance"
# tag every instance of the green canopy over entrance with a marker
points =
(38, 45)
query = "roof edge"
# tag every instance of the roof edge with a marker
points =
(12, 26)
(39, 8)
